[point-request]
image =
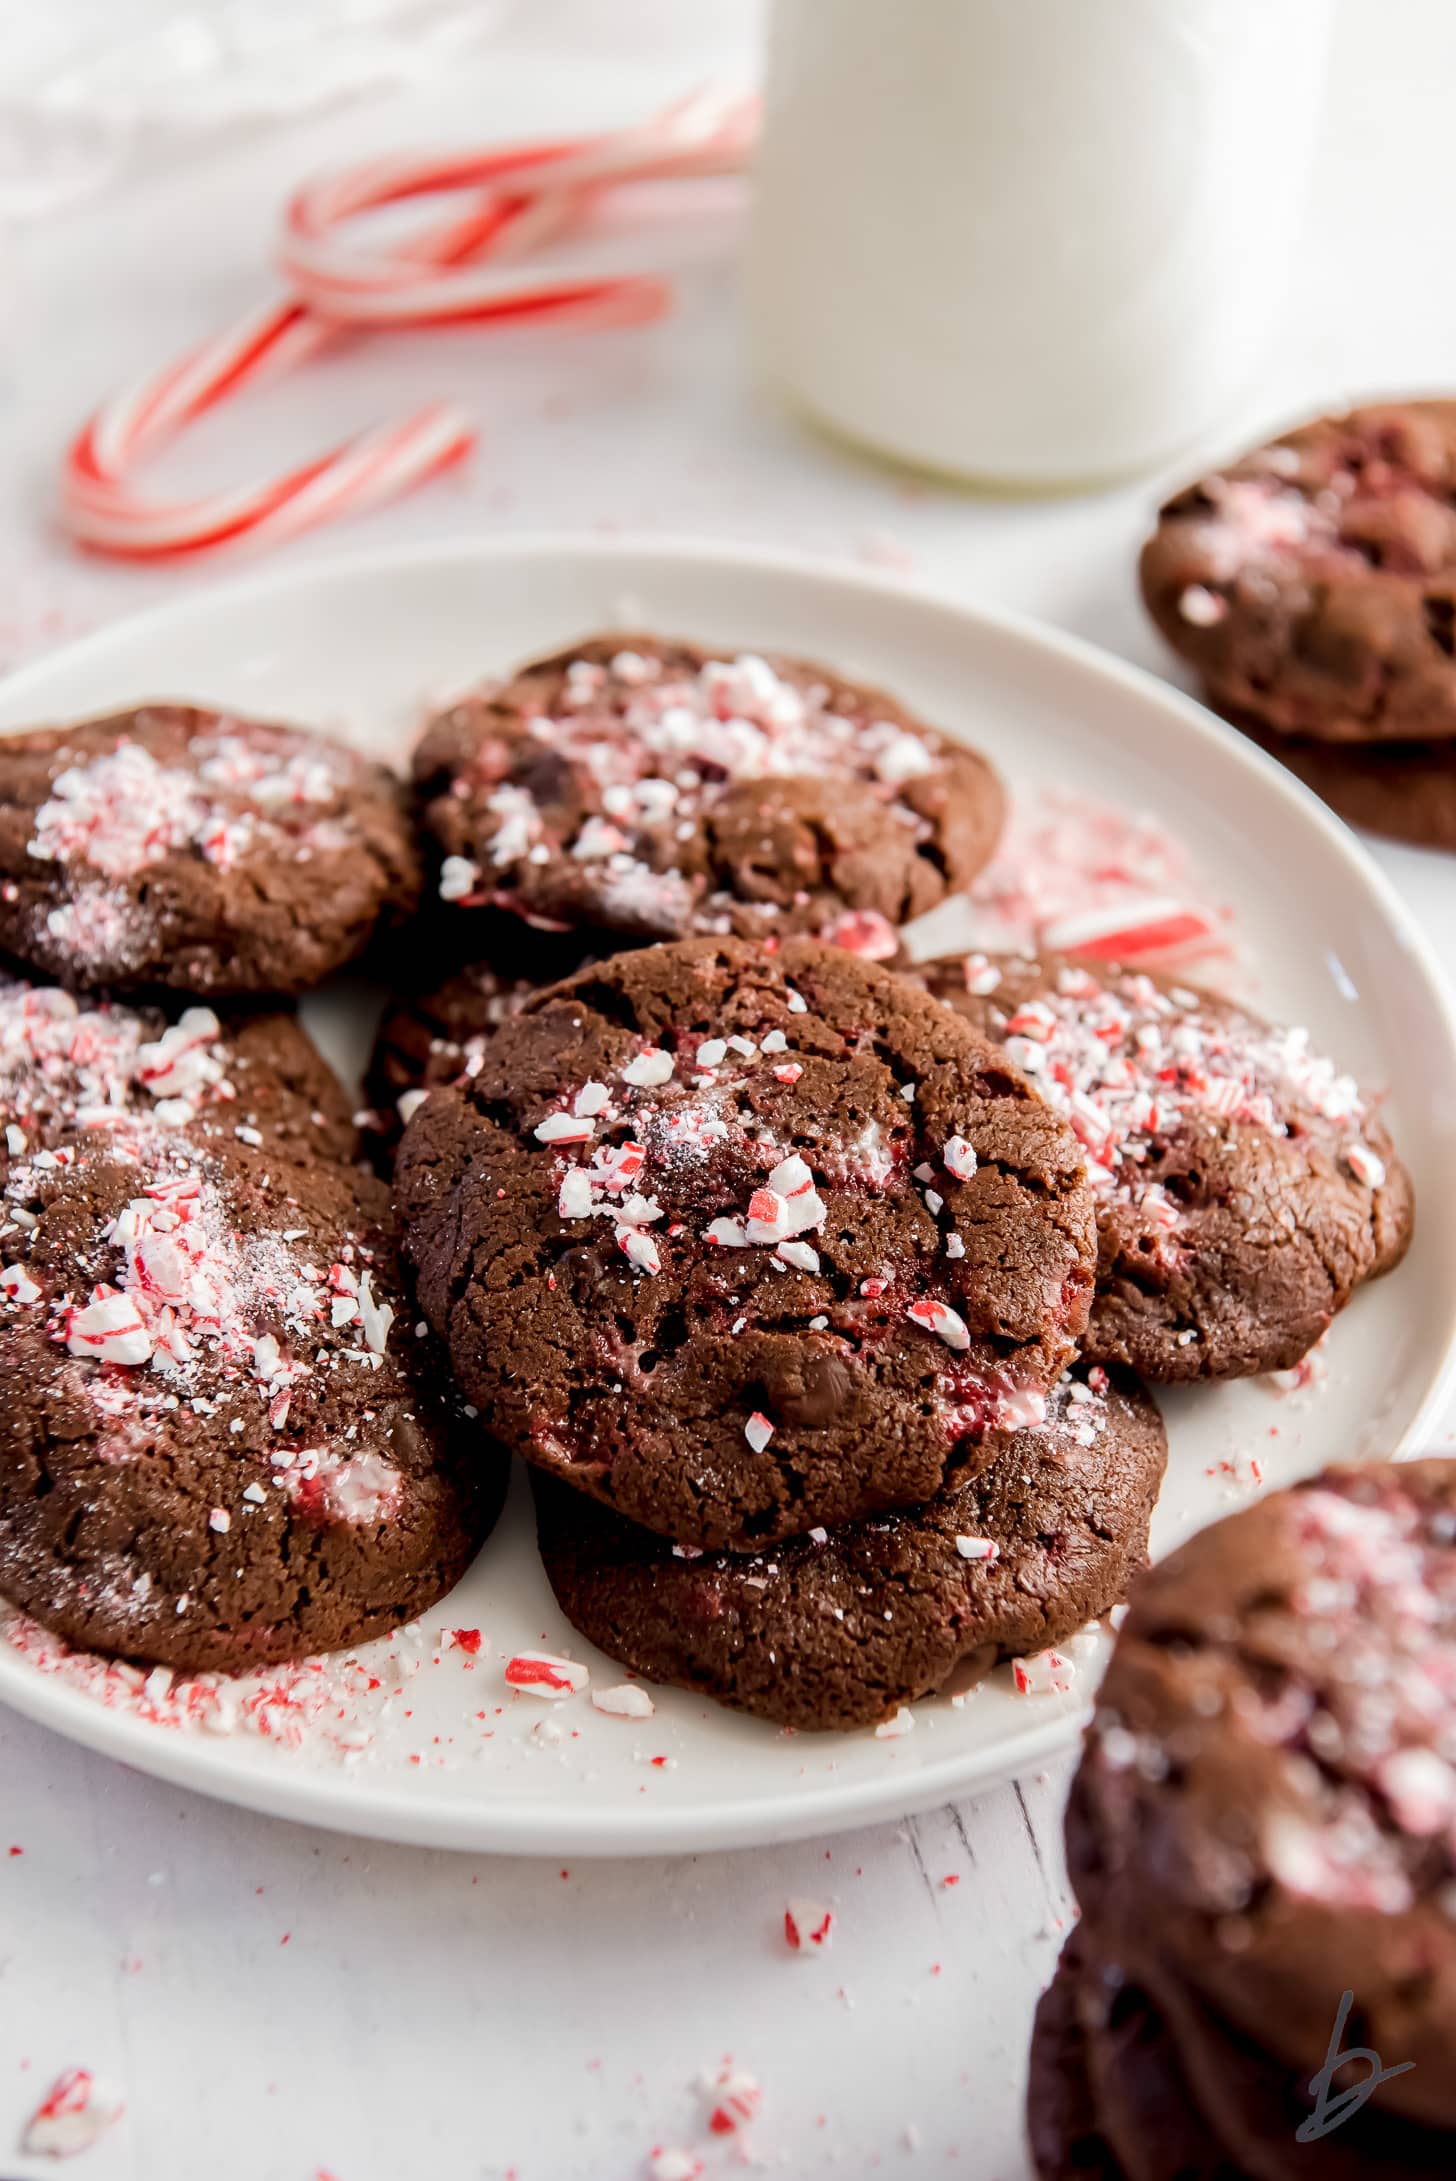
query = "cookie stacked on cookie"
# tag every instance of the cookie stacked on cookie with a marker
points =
(1261, 1839)
(748, 1481)
(1312, 584)
(223, 1444)
(774, 1269)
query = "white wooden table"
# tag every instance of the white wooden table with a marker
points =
(279, 2005)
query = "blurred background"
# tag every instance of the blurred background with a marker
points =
(146, 148)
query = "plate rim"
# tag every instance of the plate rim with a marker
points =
(314, 1797)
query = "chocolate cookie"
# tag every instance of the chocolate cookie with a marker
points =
(838, 1629)
(1066, 2139)
(222, 1443)
(68, 1064)
(1244, 1186)
(1266, 1807)
(1132, 2078)
(1313, 582)
(177, 848)
(741, 1241)
(1405, 790)
(659, 789)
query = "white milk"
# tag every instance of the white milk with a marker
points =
(1028, 241)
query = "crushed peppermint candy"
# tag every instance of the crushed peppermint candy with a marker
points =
(67, 1065)
(978, 1548)
(123, 811)
(758, 1431)
(807, 1926)
(732, 2097)
(863, 932)
(1044, 1673)
(1075, 876)
(342, 1710)
(940, 1319)
(1125, 1061)
(73, 2116)
(187, 1296)
(625, 1700)
(960, 1158)
(901, 1722)
(666, 2163)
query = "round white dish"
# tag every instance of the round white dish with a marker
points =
(362, 646)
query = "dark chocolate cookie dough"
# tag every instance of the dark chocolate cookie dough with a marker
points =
(194, 851)
(1244, 1186)
(839, 1629)
(1176, 2093)
(1313, 582)
(658, 789)
(741, 1241)
(222, 1443)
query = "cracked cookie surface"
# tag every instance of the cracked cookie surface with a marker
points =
(741, 1241)
(837, 1630)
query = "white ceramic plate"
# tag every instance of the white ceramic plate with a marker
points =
(362, 646)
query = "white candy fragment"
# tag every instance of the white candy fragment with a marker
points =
(940, 1319)
(627, 1700)
(807, 1926)
(960, 1158)
(649, 1069)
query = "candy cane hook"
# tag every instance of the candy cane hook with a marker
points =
(467, 268)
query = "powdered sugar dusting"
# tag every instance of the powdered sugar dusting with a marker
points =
(179, 1298)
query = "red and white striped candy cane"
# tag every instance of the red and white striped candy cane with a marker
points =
(462, 269)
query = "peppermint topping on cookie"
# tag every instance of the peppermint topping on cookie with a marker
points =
(677, 1130)
(176, 1298)
(122, 811)
(1124, 1060)
(65, 1064)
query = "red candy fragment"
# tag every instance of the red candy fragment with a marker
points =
(546, 1675)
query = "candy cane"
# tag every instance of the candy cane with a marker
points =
(462, 269)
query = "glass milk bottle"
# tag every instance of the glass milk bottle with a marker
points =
(1030, 242)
